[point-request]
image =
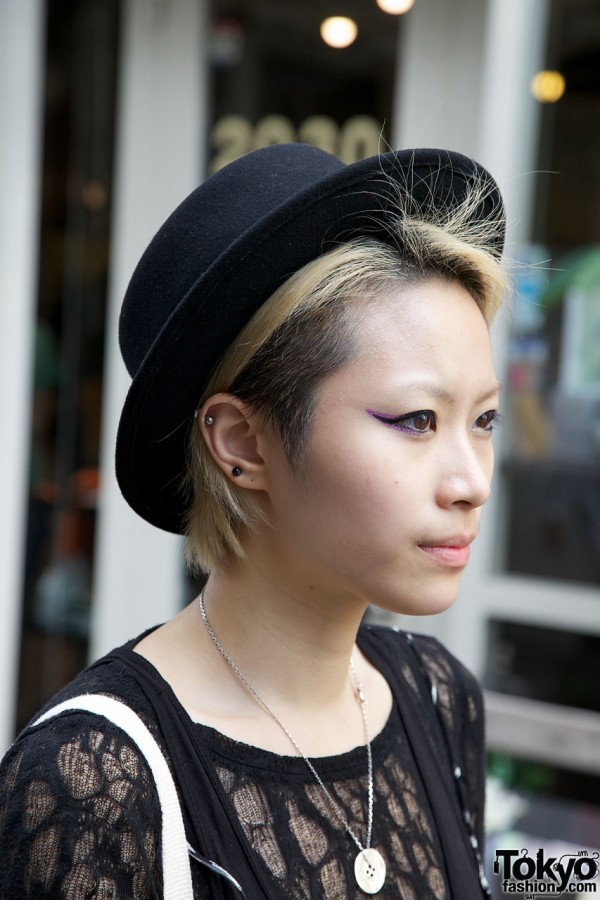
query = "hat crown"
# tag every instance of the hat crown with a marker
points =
(206, 224)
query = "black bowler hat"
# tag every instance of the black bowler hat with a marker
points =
(221, 254)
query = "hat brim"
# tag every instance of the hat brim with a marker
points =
(355, 200)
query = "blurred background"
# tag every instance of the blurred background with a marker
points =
(110, 112)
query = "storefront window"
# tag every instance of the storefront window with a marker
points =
(552, 467)
(275, 79)
(80, 70)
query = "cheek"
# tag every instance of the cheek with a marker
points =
(366, 478)
(359, 506)
(488, 461)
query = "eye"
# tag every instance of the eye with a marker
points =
(488, 421)
(419, 422)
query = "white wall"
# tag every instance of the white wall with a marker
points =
(159, 159)
(21, 54)
(438, 83)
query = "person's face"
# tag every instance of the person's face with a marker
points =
(400, 460)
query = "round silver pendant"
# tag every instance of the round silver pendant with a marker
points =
(369, 870)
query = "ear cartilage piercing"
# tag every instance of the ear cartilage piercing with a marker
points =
(236, 471)
(209, 420)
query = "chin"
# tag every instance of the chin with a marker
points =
(421, 602)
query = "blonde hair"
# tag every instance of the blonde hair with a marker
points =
(302, 333)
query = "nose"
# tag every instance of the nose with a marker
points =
(466, 474)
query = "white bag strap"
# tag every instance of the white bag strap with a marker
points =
(177, 877)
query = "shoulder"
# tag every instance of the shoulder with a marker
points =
(427, 656)
(445, 671)
(448, 693)
(450, 708)
(113, 675)
(80, 747)
(77, 808)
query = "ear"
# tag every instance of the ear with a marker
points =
(232, 432)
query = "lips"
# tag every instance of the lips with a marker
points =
(454, 551)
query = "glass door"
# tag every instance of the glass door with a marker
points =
(542, 634)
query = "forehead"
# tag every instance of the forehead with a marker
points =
(434, 330)
(433, 312)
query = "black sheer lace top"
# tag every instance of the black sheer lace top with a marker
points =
(79, 816)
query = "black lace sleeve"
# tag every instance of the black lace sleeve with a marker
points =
(79, 815)
(460, 704)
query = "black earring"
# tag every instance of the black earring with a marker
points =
(236, 471)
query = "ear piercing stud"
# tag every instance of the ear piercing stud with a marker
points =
(209, 420)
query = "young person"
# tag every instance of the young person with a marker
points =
(312, 404)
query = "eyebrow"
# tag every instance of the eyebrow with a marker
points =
(444, 396)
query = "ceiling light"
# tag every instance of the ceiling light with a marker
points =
(548, 86)
(339, 31)
(395, 7)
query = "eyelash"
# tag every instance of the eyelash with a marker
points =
(427, 416)
(493, 419)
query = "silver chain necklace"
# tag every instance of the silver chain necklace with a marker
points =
(369, 865)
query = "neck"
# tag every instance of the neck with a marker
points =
(293, 645)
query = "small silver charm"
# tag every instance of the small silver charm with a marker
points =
(369, 870)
